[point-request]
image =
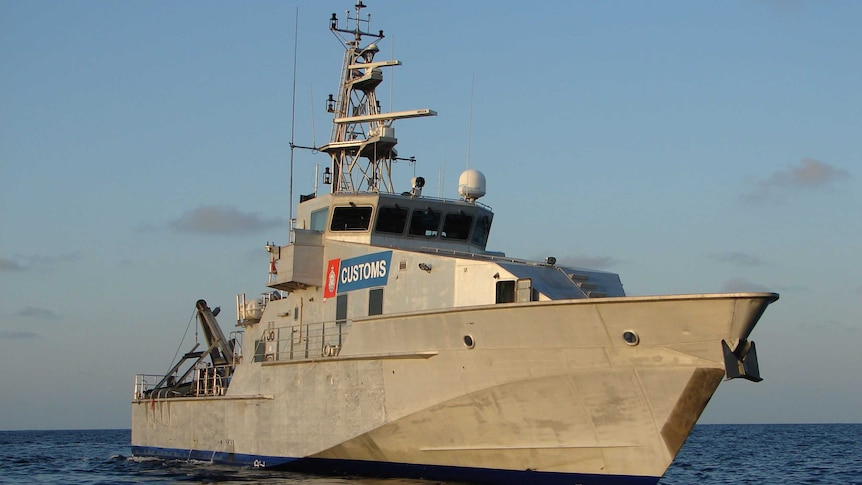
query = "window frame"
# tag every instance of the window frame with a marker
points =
(351, 218)
(424, 227)
(465, 223)
(388, 212)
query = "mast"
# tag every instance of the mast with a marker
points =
(362, 142)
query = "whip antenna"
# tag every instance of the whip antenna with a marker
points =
(392, 82)
(293, 121)
(313, 135)
(470, 122)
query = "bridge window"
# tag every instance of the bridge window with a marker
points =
(391, 220)
(481, 232)
(318, 219)
(350, 219)
(457, 226)
(425, 223)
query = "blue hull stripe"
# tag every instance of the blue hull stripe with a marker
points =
(395, 470)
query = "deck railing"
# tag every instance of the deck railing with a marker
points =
(145, 383)
(302, 341)
(204, 380)
(293, 342)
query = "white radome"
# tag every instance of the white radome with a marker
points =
(471, 184)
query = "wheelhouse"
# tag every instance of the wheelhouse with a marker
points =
(398, 221)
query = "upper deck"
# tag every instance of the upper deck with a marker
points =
(398, 221)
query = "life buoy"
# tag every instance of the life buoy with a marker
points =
(271, 335)
(327, 350)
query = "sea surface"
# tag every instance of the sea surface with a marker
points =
(714, 454)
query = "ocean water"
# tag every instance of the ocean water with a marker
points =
(714, 454)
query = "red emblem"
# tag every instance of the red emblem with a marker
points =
(331, 286)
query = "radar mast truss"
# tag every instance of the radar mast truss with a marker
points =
(362, 141)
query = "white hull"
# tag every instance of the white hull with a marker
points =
(550, 387)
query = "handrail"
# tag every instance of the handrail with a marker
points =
(288, 343)
(302, 341)
(204, 380)
(484, 256)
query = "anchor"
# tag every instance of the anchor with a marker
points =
(741, 361)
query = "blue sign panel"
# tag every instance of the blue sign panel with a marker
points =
(364, 271)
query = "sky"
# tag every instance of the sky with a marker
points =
(691, 147)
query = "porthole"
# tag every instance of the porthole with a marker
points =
(631, 338)
(469, 342)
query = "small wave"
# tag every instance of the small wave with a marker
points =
(196, 462)
(142, 459)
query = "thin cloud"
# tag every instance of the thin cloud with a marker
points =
(11, 266)
(221, 220)
(589, 262)
(36, 312)
(793, 288)
(147, 227)
(810, 174)
(21, 263)
(60, 258)
(830, 324)
(18, 335)
(737, 258)
(738, 285)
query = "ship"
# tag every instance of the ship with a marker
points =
(390, 342)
